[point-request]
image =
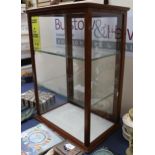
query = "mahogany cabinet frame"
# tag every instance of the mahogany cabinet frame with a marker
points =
(87, 9)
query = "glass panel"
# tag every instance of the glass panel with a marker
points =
(104, 56)
(50, 59)
(53, 57)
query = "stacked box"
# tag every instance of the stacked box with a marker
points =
(60, 149)
(46, 100)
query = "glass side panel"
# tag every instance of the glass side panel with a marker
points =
(104, 55)
(103, 69)
(50, 67)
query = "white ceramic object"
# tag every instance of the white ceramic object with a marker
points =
(127, 120)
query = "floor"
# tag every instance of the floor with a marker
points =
(115, 142)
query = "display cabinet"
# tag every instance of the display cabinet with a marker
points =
(78, 54)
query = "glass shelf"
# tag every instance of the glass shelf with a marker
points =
(79, 54)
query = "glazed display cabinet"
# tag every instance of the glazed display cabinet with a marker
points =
(78, 55)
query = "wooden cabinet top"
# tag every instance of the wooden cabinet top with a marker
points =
(77, 7)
